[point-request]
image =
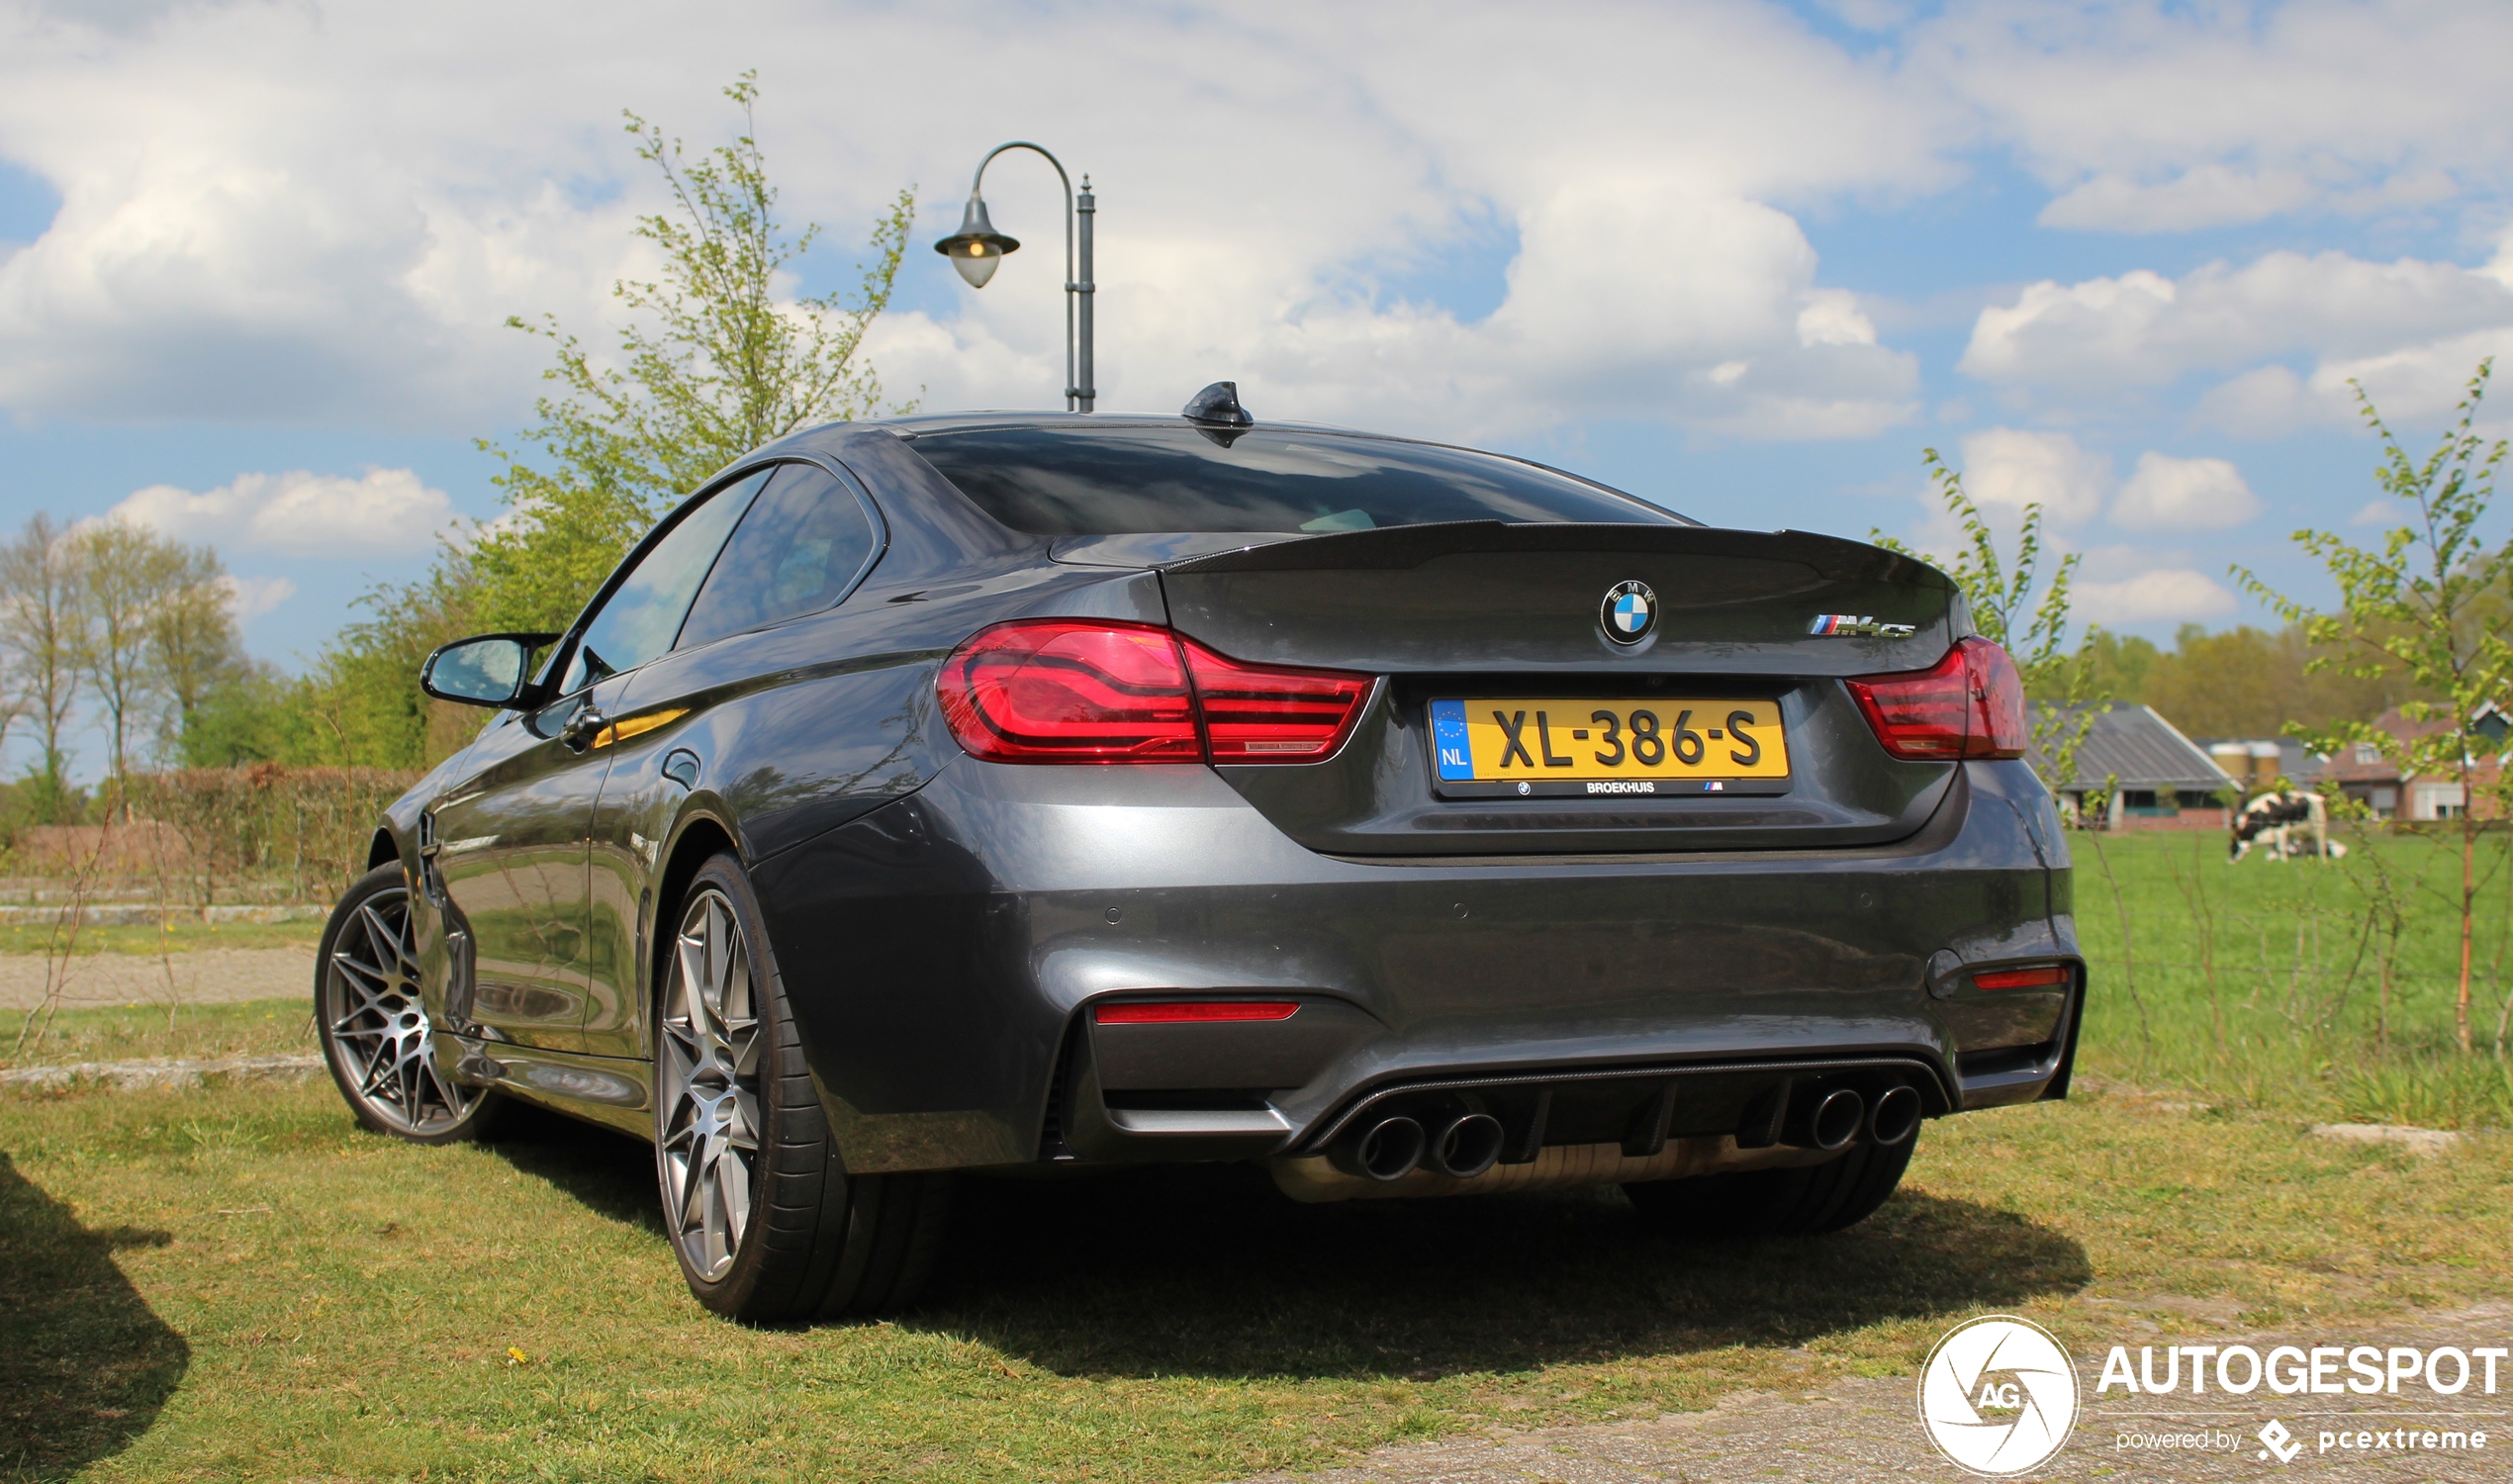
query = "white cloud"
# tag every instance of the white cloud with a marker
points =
(2153, 115)
(2207, 196)
(251, 597)
(2261, 403)
(2167, 594)
(2007, 468)
(298, 514)
(303, 212)
(2141, 329)
(2165, 493)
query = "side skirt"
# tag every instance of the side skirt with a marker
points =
(617, 1093)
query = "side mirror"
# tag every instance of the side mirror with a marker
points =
(486, 670)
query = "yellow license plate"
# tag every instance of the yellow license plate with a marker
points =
(1555, 746)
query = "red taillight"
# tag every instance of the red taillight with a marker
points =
(2022, 978)
(1192, 1011)
(1075, 690)
(1062, 692)
(1969, 705)
(1265, 714)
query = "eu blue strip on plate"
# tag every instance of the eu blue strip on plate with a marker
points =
(1449, 738)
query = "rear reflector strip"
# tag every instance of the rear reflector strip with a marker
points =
(1192, 1011)
(2022, 978)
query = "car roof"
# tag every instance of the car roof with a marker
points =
(918, 424)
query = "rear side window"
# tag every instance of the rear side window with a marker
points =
(797, 552)
(1125, 480)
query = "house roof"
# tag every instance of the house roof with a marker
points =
(2345, 769)
(2134, 745)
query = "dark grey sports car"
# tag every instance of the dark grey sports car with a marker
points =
(1041, 791)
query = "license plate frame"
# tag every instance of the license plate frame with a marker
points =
(1520, 773)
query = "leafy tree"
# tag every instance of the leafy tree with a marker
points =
(710, 364)
(2251, 682)
(247, 717)
(2420, 603)
(2011, 605)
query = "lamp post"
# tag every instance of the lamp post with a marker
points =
(977, 248)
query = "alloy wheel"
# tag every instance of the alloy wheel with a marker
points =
(709, 1077)
(378, 1028)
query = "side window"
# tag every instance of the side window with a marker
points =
(639, 618)
(795, 553)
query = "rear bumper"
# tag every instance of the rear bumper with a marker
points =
(943, 955)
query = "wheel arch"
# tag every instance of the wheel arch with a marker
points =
(383, 850)
(701, 838)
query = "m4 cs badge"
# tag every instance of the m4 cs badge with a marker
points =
(1851, 626)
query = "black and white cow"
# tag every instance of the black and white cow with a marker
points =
(2285, 825)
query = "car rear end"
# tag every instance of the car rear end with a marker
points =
(1447, 855)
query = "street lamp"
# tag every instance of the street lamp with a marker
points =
(977, 248)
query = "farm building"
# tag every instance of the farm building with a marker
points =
(2365, 775)
(2163, 780)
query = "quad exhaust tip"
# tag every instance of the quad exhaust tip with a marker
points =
(1468, 1146)
(1388, 1150)
(1827, 1121)
(1896, 1116)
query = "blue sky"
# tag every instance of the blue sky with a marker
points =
(1747, 260)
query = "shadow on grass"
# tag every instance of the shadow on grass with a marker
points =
(611, 1173)
(85, 1363)
(1209, 1270)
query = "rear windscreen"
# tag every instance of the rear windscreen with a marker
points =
(1121, 480)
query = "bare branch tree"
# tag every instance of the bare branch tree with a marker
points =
(43, 635)
(125, 572)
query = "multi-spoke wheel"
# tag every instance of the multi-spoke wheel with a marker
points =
(707, 1083)
(375, 1031)
(766, 1223)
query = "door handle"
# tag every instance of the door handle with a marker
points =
(582, 728)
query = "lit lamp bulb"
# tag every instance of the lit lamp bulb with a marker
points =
(977, 248)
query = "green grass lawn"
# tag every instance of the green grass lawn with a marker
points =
(237, 1283)
(177, 937)
(130, 1033)
(2257, 984)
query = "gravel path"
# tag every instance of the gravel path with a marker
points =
(202, 976)
(164, 1076)
(1858, 1430)
(1867, 1432)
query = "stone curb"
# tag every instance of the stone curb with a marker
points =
(166, 1076)
(2415, 1141)
(124, 914)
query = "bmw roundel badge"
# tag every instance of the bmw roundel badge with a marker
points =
(1628, 613)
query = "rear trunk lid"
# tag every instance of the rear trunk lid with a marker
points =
(1495, 636)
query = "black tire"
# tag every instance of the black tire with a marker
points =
(812, 1242)
(376, 1036)
(1802, 1202)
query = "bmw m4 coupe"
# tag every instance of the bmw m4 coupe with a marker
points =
(1043, 791)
